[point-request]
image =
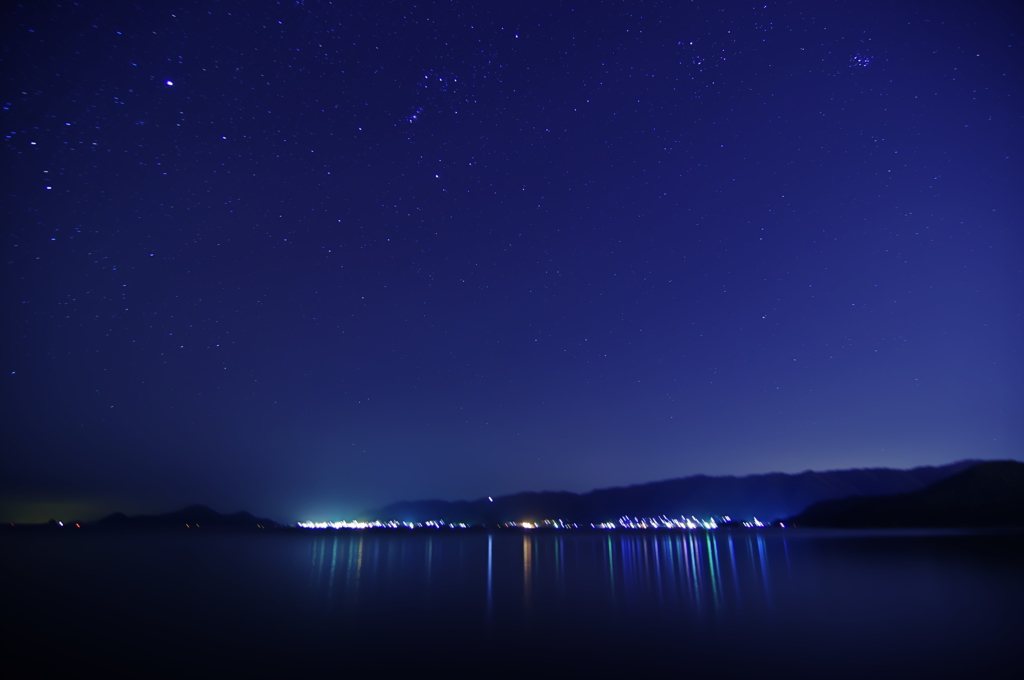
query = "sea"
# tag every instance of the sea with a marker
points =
(513, 603)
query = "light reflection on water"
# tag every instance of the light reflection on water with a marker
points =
(745, 595)
(698, 574)
(700, 604)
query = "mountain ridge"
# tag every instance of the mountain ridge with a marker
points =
(767, 496)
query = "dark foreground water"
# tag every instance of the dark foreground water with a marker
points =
(684, 605)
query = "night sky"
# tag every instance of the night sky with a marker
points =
(306, 258)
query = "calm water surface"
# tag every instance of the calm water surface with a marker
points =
(694, 604)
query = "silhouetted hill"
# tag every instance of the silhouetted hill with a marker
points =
(765, 496)
(987, 494)
(194, 516)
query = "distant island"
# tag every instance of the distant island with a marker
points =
(194, 516)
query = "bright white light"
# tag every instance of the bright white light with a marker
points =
(169, 83)
(339, 525)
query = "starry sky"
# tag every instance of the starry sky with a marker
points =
(306, 258)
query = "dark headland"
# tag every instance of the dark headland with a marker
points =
(987, 494)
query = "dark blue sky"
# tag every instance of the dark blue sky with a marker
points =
(305, 258)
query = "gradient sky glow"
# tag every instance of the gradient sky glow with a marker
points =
(305, 258)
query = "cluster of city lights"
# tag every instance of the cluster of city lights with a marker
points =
(543, 524)
(662, 522)
(377, 524)
(665, 522)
